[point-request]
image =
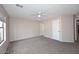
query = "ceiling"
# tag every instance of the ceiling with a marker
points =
(50, 10)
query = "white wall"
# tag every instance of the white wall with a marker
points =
(47, 31)
(3, 47)
(66, 30)
(41, 28)
(51, 28)
(23, 28)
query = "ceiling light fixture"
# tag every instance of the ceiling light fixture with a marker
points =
(39, 16)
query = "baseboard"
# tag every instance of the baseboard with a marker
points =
(51, 38)
(58, 40)
(45, 37)
(26, 38)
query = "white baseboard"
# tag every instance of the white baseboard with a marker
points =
(25, 38)
(59, 40)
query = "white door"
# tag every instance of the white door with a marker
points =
(55, 29)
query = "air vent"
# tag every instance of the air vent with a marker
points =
(18, 5)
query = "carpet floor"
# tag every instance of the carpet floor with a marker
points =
(42, 45)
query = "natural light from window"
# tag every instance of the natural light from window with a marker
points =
(2, 31)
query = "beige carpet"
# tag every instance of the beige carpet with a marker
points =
(42, 45)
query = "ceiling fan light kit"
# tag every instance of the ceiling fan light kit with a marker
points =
(39, 16)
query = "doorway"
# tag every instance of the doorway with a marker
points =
(77, 31)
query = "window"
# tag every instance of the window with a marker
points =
(2, 31)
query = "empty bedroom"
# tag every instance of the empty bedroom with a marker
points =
(39, 28)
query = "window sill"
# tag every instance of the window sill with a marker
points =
(2, 42)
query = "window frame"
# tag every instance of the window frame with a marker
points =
(3, 31)
(3, 22)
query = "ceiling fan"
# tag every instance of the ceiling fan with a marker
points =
(39, 14)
